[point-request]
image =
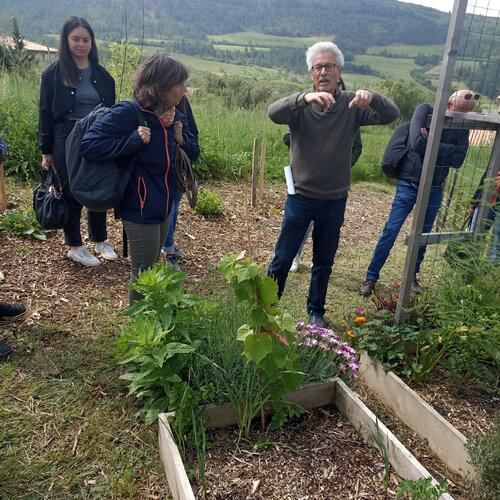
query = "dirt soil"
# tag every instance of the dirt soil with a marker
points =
(319, 456)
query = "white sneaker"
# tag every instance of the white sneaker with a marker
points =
(83, 256)
(295, 264)
(105, 250)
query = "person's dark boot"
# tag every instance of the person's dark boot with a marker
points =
(10, 312)
(415, 286)
(317, 319)
(366, 289)
(5, 351)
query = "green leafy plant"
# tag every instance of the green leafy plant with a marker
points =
(422, 489)
(384, 340)
(157, 346)
(268, 342)
(466, 309)
(208, 203)
(484, 451)
(412, 350)
(23, 223)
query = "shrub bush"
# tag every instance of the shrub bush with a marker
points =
(208, 203)
(485, 457)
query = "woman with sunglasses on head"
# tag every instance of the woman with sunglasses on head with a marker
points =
(159, 86)
(71, 88)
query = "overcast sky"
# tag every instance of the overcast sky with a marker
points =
(476, 6)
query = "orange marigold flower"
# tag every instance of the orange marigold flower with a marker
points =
(350, 334)
(359, 319)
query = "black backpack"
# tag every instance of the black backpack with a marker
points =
(396, 151)
(97, 185)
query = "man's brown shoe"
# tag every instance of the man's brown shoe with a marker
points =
(366, 289)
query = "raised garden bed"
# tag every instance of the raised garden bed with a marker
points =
(469, 411)
(359, 421)
(443, 438)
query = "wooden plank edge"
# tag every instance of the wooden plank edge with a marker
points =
(443, 438)
(179, 484)
(312, 395)
(402, 461)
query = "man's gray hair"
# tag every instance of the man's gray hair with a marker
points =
(320, 47)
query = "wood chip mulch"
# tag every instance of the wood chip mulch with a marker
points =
(317, 457)
(469, 411)
(457, 486)
(58, 290)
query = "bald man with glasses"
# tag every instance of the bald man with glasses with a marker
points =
(452, 152)
(323, 124)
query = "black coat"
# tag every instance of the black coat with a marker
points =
(452, 149)
(58, 100)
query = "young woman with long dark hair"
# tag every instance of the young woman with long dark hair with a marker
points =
(71, 88)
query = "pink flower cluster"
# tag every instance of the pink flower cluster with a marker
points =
(327, 340)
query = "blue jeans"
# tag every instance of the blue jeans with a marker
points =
(328, 217)
(169, 246)
(402, 205)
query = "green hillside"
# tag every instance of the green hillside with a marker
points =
(411, 51)
(252, 38)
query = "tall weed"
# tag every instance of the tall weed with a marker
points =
(18, 124)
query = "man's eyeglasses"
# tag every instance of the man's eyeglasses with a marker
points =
(468, 97)
(318, 68)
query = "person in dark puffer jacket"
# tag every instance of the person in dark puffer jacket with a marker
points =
(452, 152)
(159, 86)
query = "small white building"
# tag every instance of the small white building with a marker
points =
(42, 53)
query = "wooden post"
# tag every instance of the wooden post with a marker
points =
(429, 163)
(247, 226)
(254, 172)
(3, 196)
(262, 165)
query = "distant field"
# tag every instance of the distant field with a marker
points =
(411, 50)
(435, 71)
(239, 48)
(246, 38)
(354, 81)
(389, 67)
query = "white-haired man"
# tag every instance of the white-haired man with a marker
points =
(323, 124)
(452, 151)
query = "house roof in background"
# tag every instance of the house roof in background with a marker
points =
(30, 46)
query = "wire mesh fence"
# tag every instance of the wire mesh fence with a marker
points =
(462, 188)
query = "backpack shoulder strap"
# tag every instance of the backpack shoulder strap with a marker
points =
(141, 119)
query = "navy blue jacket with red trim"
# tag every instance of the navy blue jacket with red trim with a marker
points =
(147, 199)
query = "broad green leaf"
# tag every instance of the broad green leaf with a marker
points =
(243, 332)
(258, 346)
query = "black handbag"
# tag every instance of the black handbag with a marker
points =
(49, 205)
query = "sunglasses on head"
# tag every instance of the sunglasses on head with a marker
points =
(468, 97)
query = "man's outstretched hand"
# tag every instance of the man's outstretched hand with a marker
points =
(324, 99)
(362, 99)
